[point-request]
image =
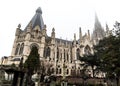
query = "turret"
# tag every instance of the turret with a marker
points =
(74, 39)
(53, 33)
(88, 34)
(18, 30)
(53, 36)
(44, 31)
(28, 34)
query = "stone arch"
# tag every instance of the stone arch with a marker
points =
(87, 50)
(34, 45)
(17, 49)
(21, 49)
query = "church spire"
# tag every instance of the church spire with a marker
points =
(37, 19)
(98, 29)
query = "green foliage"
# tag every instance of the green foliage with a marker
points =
(90, 60)
(108, 50)
(32, 64)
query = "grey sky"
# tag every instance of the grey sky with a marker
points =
(66, 16)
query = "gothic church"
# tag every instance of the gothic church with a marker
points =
(55, 53)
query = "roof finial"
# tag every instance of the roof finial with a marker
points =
(19, 26)
(39, 10)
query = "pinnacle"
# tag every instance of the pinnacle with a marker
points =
(39, 10)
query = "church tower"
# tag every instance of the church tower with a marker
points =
(33, 35)
(98, 32)
(59, 56)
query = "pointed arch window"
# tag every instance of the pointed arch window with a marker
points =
(57, 71)
(67, 57)
(60, 71)
(87, 50)
(48, 52)
(21, 49)
(64, 56)
(52, 70)
(44, 52)
(67, 71)
(17, 49)
(57, 53)
(78, 54)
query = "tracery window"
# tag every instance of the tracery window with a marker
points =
(17, 49)
(87, 50)
(47, 52)
(21, 49)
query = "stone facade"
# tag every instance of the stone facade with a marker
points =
(55, 53)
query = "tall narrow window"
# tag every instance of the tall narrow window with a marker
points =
(17, 49)
(67, 57)
(60, 71)
(87, 50)
(48, 52)
(64, 56)
(78, 54)
(57, 53)
(45, 52)
(67, 71)
(21, 49)
(57, 71)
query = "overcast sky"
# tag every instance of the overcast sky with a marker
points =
(66, 16)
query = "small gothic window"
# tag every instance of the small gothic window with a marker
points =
(36, 31)
(17, 49)
(44, 52)
(78, 54)
(67, 71)
(21, 49)
(57, 53)
(57, 71)
(87, 50)
(67, 57)
(52, 70)
(64, 56)
(48, 51)
(60, 71)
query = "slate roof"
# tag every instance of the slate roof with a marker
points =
(37, 19)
